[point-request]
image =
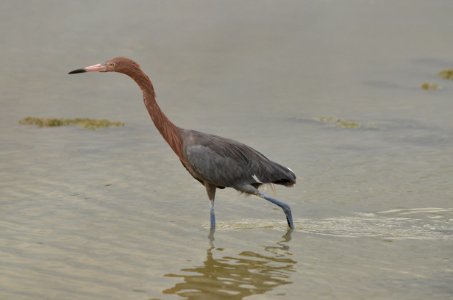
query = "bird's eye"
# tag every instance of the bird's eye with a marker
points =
(111, 65)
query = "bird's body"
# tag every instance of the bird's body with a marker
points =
(206, 157)
(214, 161)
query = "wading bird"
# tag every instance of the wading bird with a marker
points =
(214, 161)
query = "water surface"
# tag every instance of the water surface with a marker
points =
(111, 214)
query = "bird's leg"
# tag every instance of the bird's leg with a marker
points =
(210, 189)
(211, 237)
(212, 213)
(282, 205)
(249, 189)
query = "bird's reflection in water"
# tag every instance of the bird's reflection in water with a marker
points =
(236, 277)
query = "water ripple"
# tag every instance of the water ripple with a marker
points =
(414, 223)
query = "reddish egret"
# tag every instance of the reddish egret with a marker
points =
(214, 161)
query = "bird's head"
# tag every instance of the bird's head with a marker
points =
(117, 64)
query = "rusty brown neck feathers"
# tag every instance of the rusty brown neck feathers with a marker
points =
(169, 131)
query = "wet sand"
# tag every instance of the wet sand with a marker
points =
(111, 214)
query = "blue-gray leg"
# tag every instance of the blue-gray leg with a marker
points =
(282, 205)
(210, 189)
(249, 189)
(212, 215)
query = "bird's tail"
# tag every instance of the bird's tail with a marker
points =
(277, 174)
(286, 176)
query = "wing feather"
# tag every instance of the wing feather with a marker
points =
(228, 163)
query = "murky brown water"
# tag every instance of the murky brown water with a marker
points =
(111, 214)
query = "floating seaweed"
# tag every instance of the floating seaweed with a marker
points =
(446, 74)
(429, 86)
(81, 122)
(341, 123)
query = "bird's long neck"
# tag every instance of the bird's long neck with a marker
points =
(170, 132)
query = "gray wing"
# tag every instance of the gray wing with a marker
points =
(227, 163)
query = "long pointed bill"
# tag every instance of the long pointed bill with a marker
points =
(94, 68)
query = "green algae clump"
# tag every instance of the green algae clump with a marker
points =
(341, 123)
(429, 86)
(446, 74)
(81, 122)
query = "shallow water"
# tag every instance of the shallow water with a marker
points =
(111, 214)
